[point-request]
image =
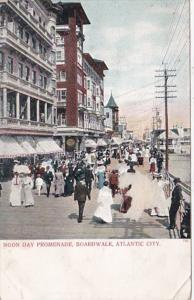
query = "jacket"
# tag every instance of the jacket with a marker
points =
(81, 192)
(48, 177)
(177, 194)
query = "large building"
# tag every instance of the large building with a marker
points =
(111, 111)
(80, 92)
(27, 76)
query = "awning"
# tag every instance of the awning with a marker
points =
(10, 148)
(90, 143)
(25, 144)
(116, 141)
(171, 135)
(46, 146)
(101, 143)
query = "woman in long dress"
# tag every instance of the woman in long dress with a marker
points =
(127, 199)
(100, 173)
(160, 202)
(28, 185)
(59, 183)
(104, 202)
(16, 189)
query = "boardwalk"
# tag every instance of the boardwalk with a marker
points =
(56, 218)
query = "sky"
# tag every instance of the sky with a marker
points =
(134, 37)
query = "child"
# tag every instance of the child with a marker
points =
(39, 184)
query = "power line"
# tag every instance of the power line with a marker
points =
(170, 42)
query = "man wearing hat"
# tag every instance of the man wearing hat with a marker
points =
(80, 194)
(175, 202)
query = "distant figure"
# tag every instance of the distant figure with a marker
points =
(152, 164)
(159, 161)
(39, 184)
(59, 183)
(100, 173)
(48, 178)
(89, 176)
(80, 195)
(113, 182)
(175, 202)
(28, 185)
(127, 199)
(16, 188)
(104, 202)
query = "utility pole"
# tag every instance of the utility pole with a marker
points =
(166, 74)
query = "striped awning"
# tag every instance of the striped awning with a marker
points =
(10, 148)
(90, 143)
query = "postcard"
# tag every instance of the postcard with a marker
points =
(95, 149)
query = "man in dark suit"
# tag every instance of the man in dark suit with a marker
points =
(80, 194)
(175, 202)
(48, 178)
(89, 176)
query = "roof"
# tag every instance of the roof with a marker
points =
(98, 65)
(66, 7)
(111, 102)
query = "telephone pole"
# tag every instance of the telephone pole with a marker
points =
(165, 91)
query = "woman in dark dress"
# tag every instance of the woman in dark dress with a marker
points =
(127, 199)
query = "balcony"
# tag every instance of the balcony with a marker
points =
(61, 104)
(33, 22)
(81, 106)
(15, 124)
(25, 86)
(9, 37)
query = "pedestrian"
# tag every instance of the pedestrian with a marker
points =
(159, 161)
(16, 189)
(89, 176)
(28, 185)
(59, 183)
(39, 184)
(104, 202)
(176, 199)
(69, 183)
(152, 163)
(126, 199)
(48, 178)
(100, 173)
(81, 193)
(113, 182)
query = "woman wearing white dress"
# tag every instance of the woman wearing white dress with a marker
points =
(160, 203)
(104, 201)
(16, 188)
(28, 185)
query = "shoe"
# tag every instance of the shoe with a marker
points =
(79, 221)
(171, 227)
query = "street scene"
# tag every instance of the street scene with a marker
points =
(95, 137)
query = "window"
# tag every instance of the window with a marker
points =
(33, 43)
(88, 84)
(58, 55)
(10, 64)
(89, 102)
(79, 79)
(20, 32)
(27, 73)
(41, 80)
(45, 83)
(40, 20)
(63, 95)
(107, 115)
(26, 4)
(2, 20)
(1, 60)
(27, 36)
(44, 52)
(62, 75)
(34, 77)
(80, 98)
(20, 70)
(40, 48)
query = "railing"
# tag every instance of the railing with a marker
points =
(7, 77)
(15, 123)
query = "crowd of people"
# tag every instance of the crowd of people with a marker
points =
(94, 170)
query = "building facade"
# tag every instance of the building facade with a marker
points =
(80, 92)
(111, 111)
(27, 68)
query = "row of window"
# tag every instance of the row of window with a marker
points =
(24, 72)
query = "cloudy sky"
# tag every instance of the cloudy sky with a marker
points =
(133, 37)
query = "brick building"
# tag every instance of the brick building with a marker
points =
(27, 77)
(80, 77)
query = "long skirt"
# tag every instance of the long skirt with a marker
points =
(15, 195)
(152, 167)
(28, 197)
(126, 204)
